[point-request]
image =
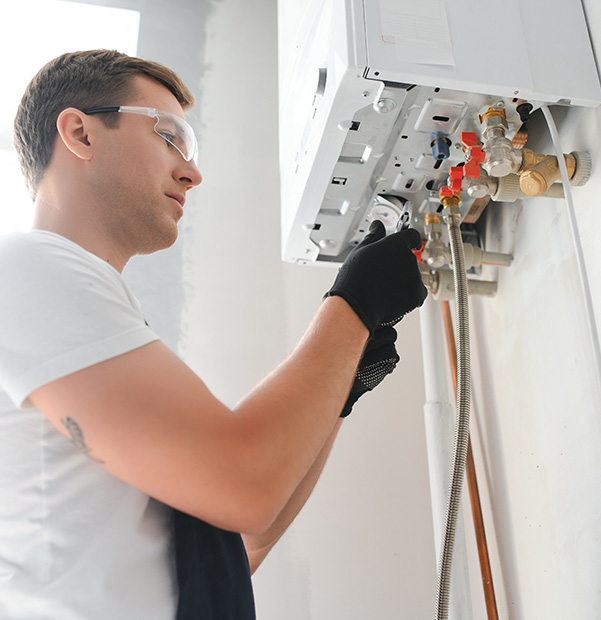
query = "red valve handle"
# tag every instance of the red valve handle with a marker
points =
(472, 165)
(468, 139)
(455, 178)
(471, 168)
(418, 253)
(445, 190)
(453, 185)
(475, 154)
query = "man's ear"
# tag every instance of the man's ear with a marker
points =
(73, 128)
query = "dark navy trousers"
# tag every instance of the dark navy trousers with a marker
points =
(213, 574)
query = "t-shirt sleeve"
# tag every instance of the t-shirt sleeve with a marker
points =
(61, 310)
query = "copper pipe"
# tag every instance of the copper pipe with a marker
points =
(520, 138)
(472, 482)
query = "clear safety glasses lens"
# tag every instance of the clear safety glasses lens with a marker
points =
(177, 132)
(170, 127)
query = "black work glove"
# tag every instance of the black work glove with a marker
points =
(380, 279)
(379, 359)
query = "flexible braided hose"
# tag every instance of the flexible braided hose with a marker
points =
(463, 416)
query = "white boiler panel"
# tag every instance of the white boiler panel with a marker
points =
(366, 84)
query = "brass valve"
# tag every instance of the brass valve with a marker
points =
(450, 201)
(539, 172)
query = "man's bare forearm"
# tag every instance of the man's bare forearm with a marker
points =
(258, 546)
(293, 411)
(236, 469)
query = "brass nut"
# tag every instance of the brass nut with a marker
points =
(492, 112)
(432, 218)
(533, 183)
(450, 201)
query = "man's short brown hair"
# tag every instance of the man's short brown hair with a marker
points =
(80, 80)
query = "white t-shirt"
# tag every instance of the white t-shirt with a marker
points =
(76, 543)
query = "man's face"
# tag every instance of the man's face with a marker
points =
(139, 179)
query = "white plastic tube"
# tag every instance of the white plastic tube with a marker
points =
(584, 282)
(439, 416)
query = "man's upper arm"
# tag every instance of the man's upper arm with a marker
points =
(150, 421)
(74, 343)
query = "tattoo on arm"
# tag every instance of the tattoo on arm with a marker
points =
(77, 438)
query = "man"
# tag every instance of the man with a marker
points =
(104, 430)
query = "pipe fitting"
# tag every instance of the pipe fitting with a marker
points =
(431, 218)
(429, 278)
(539, 175)
(442, 287)
(451, 209)
(508, 190)
(494, 126)
(433, 231)
(436, 253)
(432, 226)
(530, 159)
(475, 256)
(497, 110)
(534, 182)
(450, 201)
(501, 158)
(584, 167)
(484, 185)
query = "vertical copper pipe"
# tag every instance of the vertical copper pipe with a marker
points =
(472, 482)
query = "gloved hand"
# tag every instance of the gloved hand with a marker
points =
(380, 279)
(379, 359)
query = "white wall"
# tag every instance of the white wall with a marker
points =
(539, 400)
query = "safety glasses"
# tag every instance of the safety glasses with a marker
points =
(170, 127)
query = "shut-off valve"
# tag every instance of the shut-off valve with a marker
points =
(537, 173)
(497, 167)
